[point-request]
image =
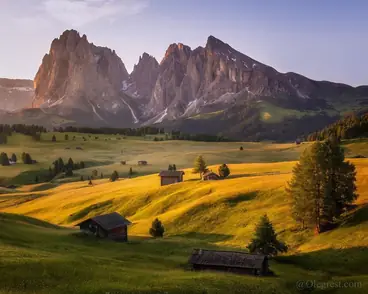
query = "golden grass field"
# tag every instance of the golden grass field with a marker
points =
(195, 213)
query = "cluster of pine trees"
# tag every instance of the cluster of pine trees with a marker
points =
(351, 126)
(112, 131)
(177, 135)
(322, 186)
(60, 167)
(28, 130)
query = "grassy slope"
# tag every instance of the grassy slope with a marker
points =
(105, 156)
(195, 213)
(35, 257)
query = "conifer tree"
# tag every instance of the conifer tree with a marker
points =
(265, 239)
(81, 178)
(200, 165)
(157, 229)
(114, 176)
(14, 157)
(70, 164)
(4, 160)
(131, 172)
(170, 168)
(174, 167)
(322, 185)
(66, 137)
(53, 138)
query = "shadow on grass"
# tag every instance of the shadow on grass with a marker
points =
(233, 201)
(98, 207)
(354, 261)
(9, 217)
(253, 175)
(205, 237)
(356, 216)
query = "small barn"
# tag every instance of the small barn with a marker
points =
(210, 176)
(142, 162)
(229, 261)
(169, 177)
(112, 226)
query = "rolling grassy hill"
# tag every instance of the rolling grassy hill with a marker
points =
(195, 214)
(37, 256)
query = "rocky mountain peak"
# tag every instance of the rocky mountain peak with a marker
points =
(213, 43)
(78, 74)
(177, 50)
(143, 77)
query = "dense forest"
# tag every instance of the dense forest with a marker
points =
(349, 127)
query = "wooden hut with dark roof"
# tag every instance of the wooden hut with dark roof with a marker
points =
(229, 261)
(169, 177)
(112, 226)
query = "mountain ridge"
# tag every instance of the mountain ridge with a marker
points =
(79, 79)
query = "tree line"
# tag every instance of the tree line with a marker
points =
(349, 127)
(7, 130)
(112, 131)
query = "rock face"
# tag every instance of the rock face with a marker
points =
(79, 75)
(143, 77)
(211, 78)
(15, 94)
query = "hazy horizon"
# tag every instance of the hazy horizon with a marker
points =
(322, 41)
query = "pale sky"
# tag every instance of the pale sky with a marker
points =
(321, 39)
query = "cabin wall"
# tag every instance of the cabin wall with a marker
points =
(201, 267)
(169, 180)
(119, 234)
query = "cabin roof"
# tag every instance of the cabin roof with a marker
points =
(109, 221)
(227, 258)
(210, 173)
(171, 173)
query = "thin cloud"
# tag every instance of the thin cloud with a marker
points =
(78, 13)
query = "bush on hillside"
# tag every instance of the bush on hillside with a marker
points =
(265, 239)
(53, 138)
(223, 171)
(14, 158)
(157, 229)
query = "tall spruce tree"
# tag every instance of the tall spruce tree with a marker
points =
(200, 165)
(14, 157)
(265, 239)
(322, 185)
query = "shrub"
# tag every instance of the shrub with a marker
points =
(223, 171)
(157, 229)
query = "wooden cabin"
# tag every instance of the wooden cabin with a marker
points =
(210, 176)
(229, 261)
(169, 177)
(142, 162)
(112, 226)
